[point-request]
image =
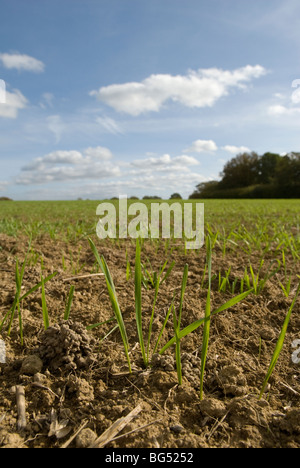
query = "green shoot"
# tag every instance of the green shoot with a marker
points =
(163, 326)
(114, 300)
(279, 344)
(44, 305)
(69, 303)
(128, 268)
(176, 324)
(206, 327)
(193, 326)
(138, 299)
(287, 288)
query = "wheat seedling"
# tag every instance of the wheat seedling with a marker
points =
(279, 344)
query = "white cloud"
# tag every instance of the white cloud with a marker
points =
(22, 62)
(278, 110)
(289, 107)
(109, 124)
(56, 126)
(99, 152)
(202, 88)
(295, 97)
(69, 165)
(165, 163)
(14, 101)
(236, 149)
(200, 146)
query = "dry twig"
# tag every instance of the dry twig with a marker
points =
(115, 428)
(20, 397)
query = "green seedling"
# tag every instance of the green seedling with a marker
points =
(69, 303)
(138, 299)
(177, 324)
(279, 344)
(206, 326)
(16, 306)
(44, 305)
(114, 300)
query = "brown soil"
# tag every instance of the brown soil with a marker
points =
(73, 382)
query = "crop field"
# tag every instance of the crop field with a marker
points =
(144, 343)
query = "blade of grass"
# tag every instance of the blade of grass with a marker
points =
(183, 287)
(176, 324)
(152, 318)
(44, 305)
(19, 299)
(90, 327)
(206, 327)
(193, 326)
(18, 279)
(69, 303)
(113, 298)
(138, 299)
(163, 326)
(279, 344)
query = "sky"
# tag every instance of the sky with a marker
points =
(101, 98)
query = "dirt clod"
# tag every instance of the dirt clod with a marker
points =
(66, 344)
(31, 365)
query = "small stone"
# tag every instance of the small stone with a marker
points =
(85, 438)
(31, 365)
(40, 378)
(177, 428)
(267, 333)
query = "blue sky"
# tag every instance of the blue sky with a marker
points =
(137, 97)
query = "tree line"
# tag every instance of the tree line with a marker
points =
(249, 175)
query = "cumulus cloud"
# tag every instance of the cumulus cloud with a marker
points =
(165, 163)
(236, 149)
(22, 62)
(99, 152)
(200, 146)
(69, 165)
(289, 108)
(202, 88)
(14, 101)
(278, 110)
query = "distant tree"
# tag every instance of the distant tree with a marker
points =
(251, 176)
(287, 175)
(5, 199)
(205, 189)
(266, 167)
(133, 198)
(240, 171)
(151, 197)
(176, 196)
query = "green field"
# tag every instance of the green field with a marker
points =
(203, 337)
(256, 220)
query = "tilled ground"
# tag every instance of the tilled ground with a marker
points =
(75, 384)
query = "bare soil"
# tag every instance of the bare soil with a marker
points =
(76, 385)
